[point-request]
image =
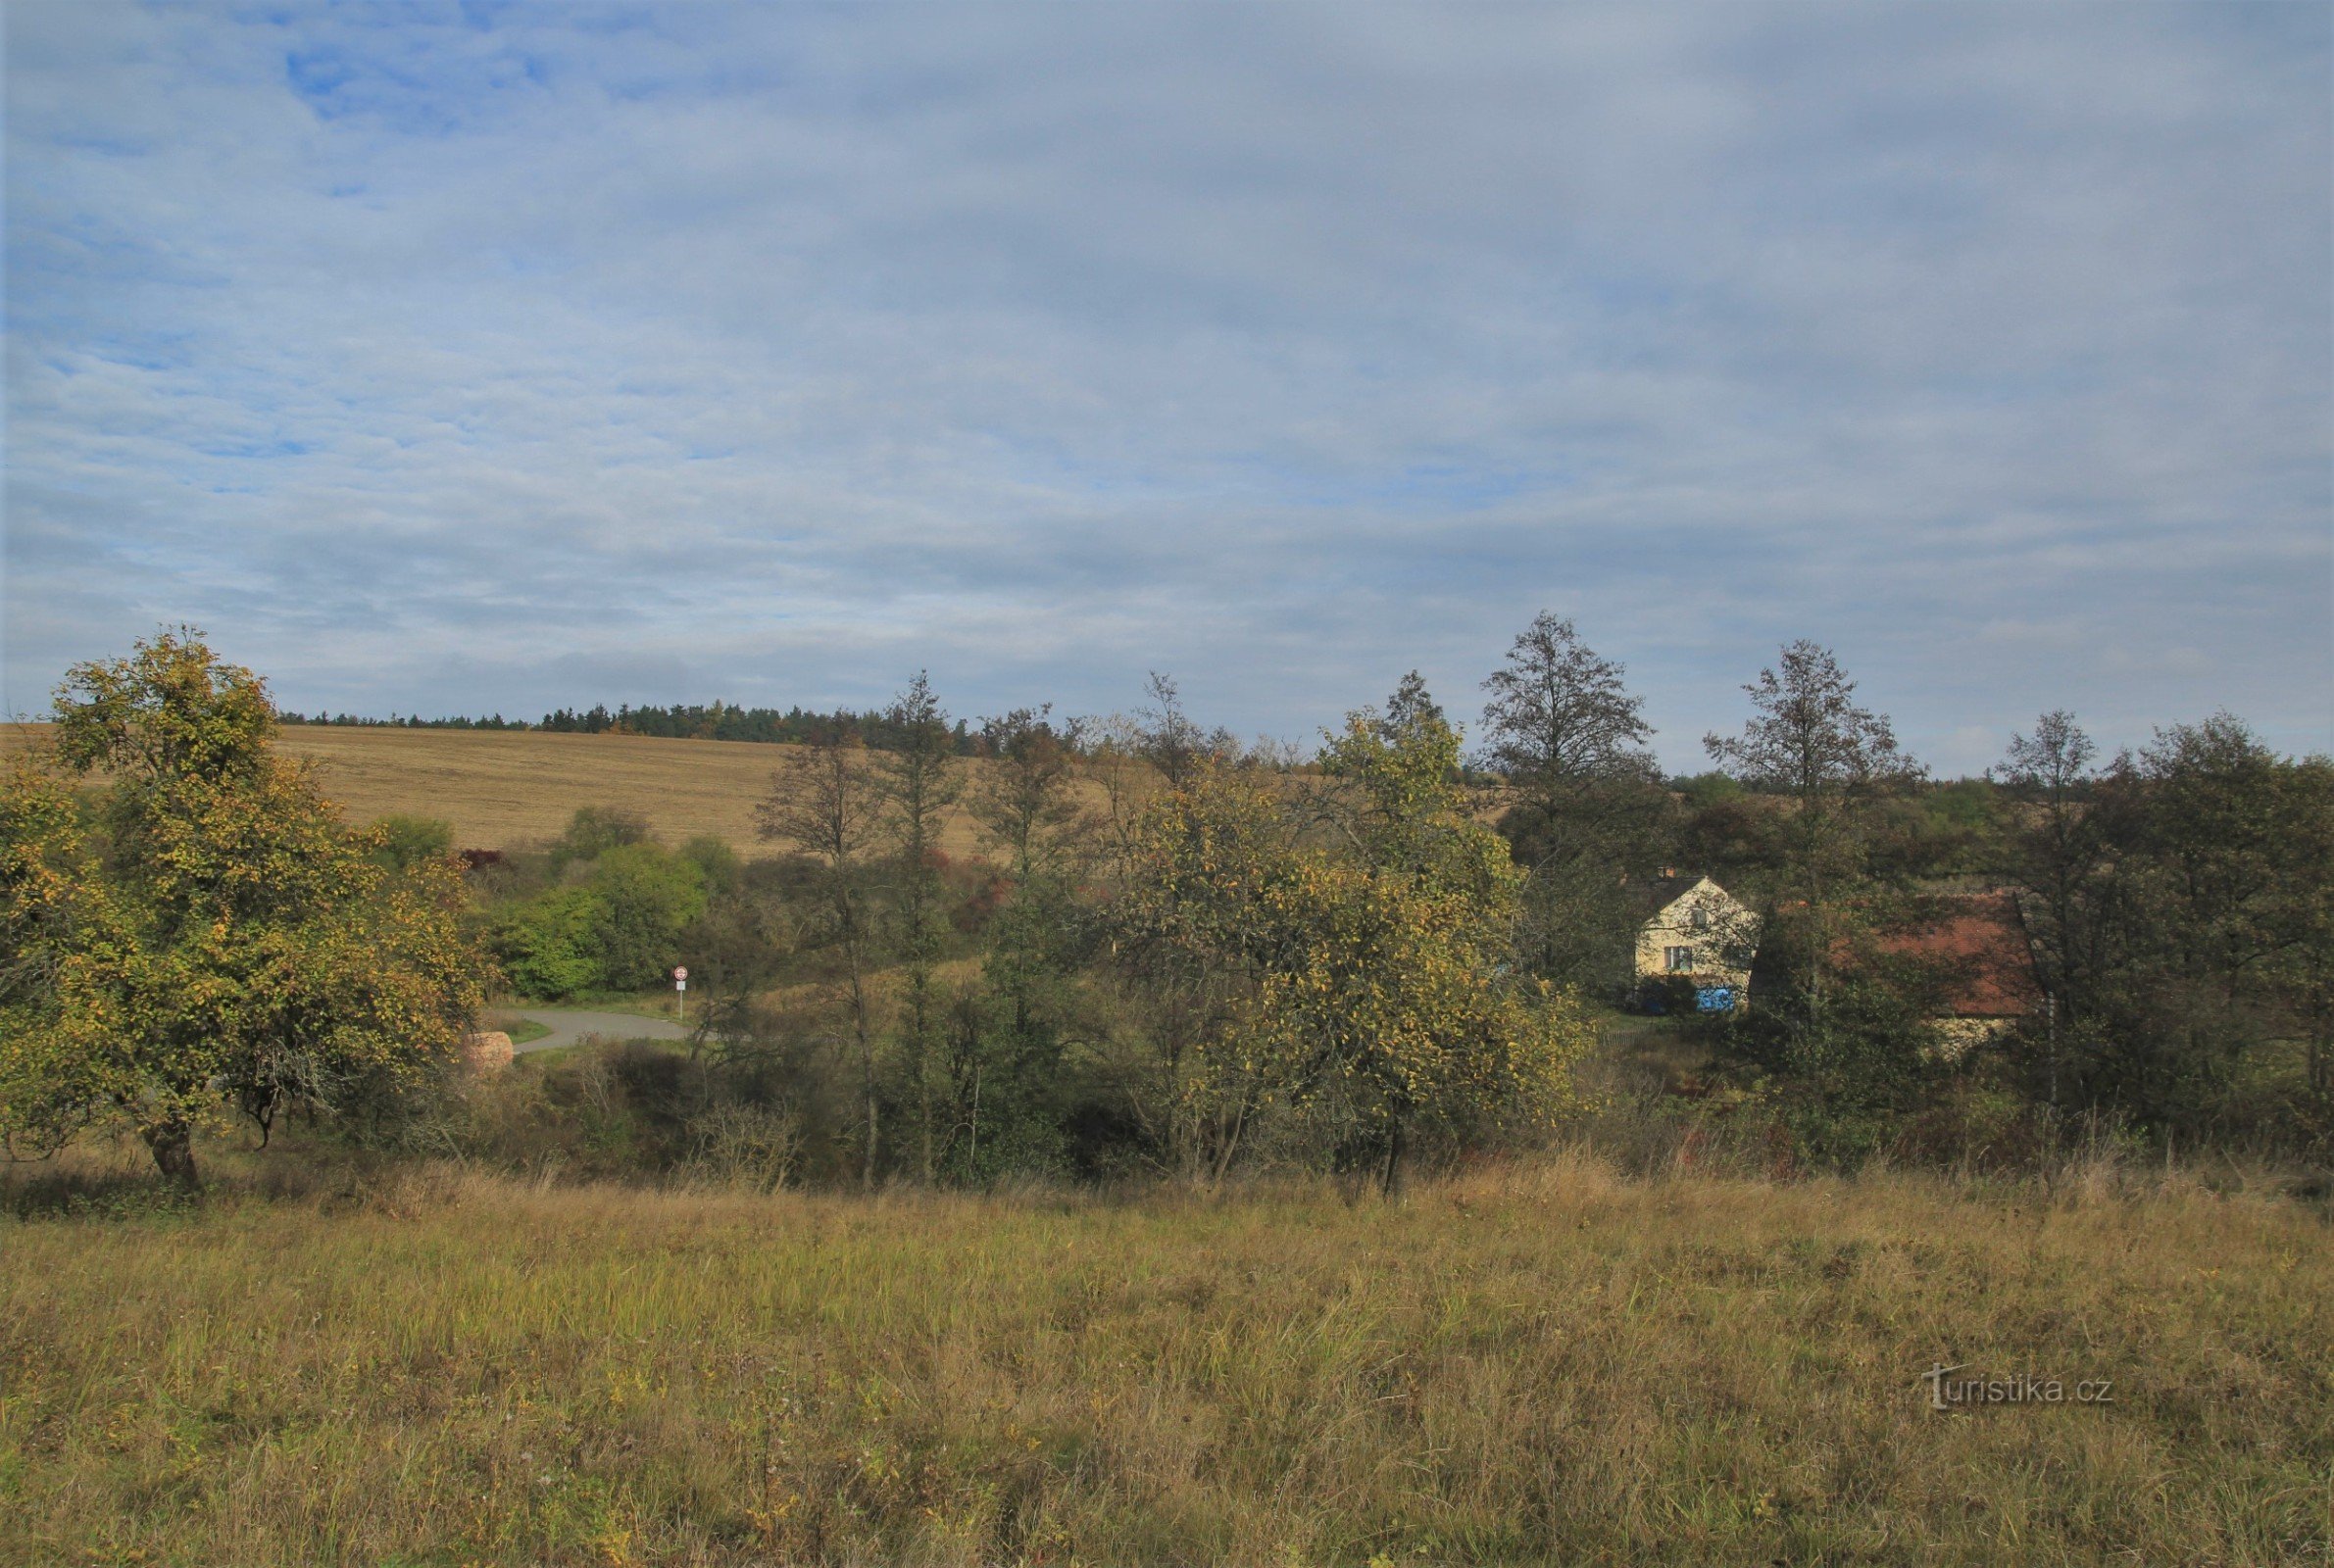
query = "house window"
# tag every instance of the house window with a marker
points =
(1679, 960)
(1701, 921)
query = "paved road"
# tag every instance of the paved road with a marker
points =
(568, 1026)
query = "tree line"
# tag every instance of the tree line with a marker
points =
(713, 721)
(1163, 952)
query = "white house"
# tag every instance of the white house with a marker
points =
(1695, 930)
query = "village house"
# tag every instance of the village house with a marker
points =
(1693, 933)
(1978, 949)
(1971, 952)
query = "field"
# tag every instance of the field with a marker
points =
(1539, 1364)
(509, 789)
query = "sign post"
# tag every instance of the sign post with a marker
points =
(680, 994)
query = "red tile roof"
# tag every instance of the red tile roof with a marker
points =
(1978, 942)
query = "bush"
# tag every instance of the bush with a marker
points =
(751, 1146)
(550, 947)
(594, 831)
(407, 841)
(619, 929)
(647, 897)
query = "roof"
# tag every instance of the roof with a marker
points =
(1651, 897)
(1978, 944)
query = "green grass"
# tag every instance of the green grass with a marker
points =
(635, 1003)
(1545, 1364)
(520, 1030)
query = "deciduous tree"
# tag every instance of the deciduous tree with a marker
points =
(218, 935)
(2055, 852)
(1025, 802)
(1809, 741)
(1568, 737)
(1373, 990)
(824, 803)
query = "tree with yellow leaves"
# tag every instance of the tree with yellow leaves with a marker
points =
(1364, 942)
(211, 934)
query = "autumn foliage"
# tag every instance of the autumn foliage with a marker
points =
(206, 932)
(1360, 941)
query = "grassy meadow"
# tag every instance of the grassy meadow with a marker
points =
(1534, 1363)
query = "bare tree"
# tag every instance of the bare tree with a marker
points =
(1560, 722)
(1806, 737)
(2049, 773)
(1111, 758)
(1130, 757)
(1168, 738)
(822, 802)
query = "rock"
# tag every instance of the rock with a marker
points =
(487, 1051)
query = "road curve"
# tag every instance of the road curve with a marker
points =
(569, 1025)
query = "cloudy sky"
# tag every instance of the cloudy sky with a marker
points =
(469, 359)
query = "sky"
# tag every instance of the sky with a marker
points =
(470, 359)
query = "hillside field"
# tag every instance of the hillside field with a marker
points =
(1545, 1363)
(509, 789)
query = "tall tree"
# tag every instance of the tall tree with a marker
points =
(2208, 895)
(918, 779)
(2305, 972)
(1372, 989)
(1410, 709)
(1809, 741)
(2055, 853)
(1561, 721)
(1024, 801)
(824, 803)
(1006, 1049)
(2181, 903)
(1568, 737)
(1168, 738)
(223, 936)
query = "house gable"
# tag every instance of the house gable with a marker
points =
(1696, 930)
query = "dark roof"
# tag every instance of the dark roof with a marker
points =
(1651, 897)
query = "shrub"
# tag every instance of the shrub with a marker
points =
(647, 897)
(594, 831)
(750, 1147)
(550, 947)
(405, 842)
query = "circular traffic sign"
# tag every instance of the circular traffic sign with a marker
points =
(680, 974)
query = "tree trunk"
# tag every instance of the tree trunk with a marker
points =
(855, 957)
(1231, 1143)
(866, 1067)
(920, 1007)
(1390, 1183)
(173, 1146)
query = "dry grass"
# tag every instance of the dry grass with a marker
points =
(505, 789)
(1542, 1365)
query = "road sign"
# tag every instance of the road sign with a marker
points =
(680, 974)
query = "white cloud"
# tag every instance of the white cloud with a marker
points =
(771, 354)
